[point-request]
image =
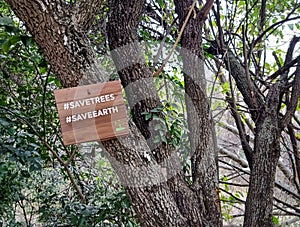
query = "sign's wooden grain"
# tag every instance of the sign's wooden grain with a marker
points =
(91, 112)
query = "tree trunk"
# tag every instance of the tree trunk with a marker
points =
(200, 122)
(259, 203)
(142, 97)
(266, 151)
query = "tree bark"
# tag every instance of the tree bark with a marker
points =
(259, 203)
(266, 151)
(150, 173)
(200, 122)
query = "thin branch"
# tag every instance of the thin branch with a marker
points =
(269, 29)
(286, 211)
(289, 55)
(203, 13)
(43, 103)
(220, 29)
(243, 163)
(177, 40)
(277, 183)
(241, 129)
(288, 205)
(71, 157)
(283, 69)
(160, 35)
(234, 184)
(155, 61)
(236, 198)
(289, 222)
(20, 202)
(246, 66)
(296, 164)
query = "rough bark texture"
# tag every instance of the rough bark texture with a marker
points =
(122, 26)
(266, 151)
(204, 165)
(266, 154)
(63, 41)
(152, 173)
(250, 93)
(61, 35)
(144, 182)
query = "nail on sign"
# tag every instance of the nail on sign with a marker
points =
(91, 112)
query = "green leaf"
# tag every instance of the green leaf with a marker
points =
(26, 40)
(164, 139)
(9, 42)
(6, 21)
(9, 25)
(226, 87)
(157, 109)
(275, 220)
(291, 26)
(4, 122)
(148, 116)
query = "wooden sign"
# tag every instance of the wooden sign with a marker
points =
(91, 112)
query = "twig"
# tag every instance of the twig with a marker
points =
(177, 40)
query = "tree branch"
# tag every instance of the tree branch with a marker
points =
(296, 164)
(283, 69)
(290, 51)
(200, 122)
(278, 184)
(292, 105)
(206, 8)
(245, 86)
(270, 28)
(234, 157)
(177, 40)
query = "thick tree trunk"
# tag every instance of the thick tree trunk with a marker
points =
(144, 182)
(142, 97)
(259, 203)
(266, 151)
(200, 122)
(151, 173)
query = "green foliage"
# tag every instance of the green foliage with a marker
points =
(106, 205)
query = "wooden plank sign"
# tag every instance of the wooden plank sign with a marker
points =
(91, 112)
